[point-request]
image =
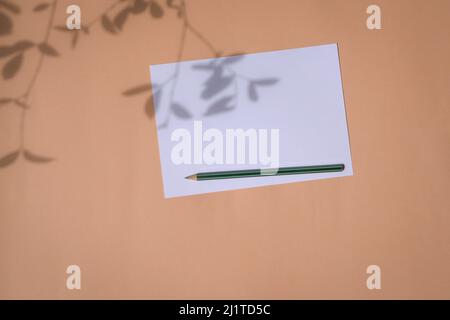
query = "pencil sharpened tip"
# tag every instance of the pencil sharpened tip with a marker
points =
(191, 177)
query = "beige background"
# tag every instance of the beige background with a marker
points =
(100, 204)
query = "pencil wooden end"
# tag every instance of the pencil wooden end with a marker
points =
(192, 177)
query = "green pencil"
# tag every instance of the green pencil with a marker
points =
(260, 172)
